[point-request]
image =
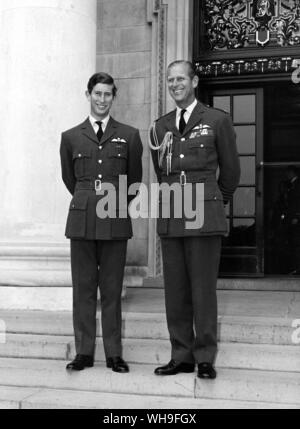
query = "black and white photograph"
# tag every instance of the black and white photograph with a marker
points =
(150, 207)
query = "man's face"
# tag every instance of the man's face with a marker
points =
(101, 100)
(181, 86)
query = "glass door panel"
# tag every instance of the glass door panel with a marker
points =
(223, 102)
(246, 139)
(244, 109)
(241, 252)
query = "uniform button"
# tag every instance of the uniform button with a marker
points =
(183, 139)
(100, 176)
(202, 145)
(215, 198)
(100, 161)
(119, 154)
(73, 206)
(182, 156)
(79, 155)
(100, 147)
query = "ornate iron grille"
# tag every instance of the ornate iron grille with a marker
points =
(233, 24)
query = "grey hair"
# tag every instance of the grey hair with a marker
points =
(189, 64)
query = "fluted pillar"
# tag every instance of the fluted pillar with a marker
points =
(48, 52)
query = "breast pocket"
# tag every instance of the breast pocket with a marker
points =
(82, 161)
(198, 151)
(118, 155)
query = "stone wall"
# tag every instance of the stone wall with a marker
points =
(124, 40)
(47, 53)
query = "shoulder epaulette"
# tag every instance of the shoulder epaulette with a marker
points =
(164, 116)
(220, 110)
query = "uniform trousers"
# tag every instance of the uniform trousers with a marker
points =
(191, 266)
(96, 264)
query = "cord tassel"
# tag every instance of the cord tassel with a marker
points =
(166, 145)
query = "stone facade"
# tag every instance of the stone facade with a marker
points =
(124, 43)
(44, 45)
(48, 50)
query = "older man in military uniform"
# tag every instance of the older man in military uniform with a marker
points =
(93, 154)
(188, 146)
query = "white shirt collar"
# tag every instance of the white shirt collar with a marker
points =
(104, 122)
(187, 115)
(189, 109)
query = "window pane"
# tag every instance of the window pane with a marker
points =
(244, 202)
(244, 223)
(244, 109)
(247, 170)
(245, 137)
(222, 102)
(243, 233)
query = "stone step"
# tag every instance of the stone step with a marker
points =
(13, 397)
(37, 346)
(231, 385)
(28, 398)
(156, 352)
(286, 284)
(244, 329)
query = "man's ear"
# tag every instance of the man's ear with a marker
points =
(195, 81)
(88, 95)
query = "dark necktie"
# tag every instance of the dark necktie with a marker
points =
(182, 123)
(100, 131)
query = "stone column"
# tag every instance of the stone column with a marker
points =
(48, 52)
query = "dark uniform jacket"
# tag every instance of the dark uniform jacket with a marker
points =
(84, 160)
(206, 149)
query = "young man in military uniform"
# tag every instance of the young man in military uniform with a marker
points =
(93, 154)
(188, 146)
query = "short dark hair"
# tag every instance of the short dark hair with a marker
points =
(101, 78)
(189, 64)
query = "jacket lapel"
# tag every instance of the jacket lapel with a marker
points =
(195, 118)
(88, 131)
(172, 124)
(109, 131)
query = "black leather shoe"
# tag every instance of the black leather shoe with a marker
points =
(206, 370)
(174, 367)
(117, 364)
(80, 362)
